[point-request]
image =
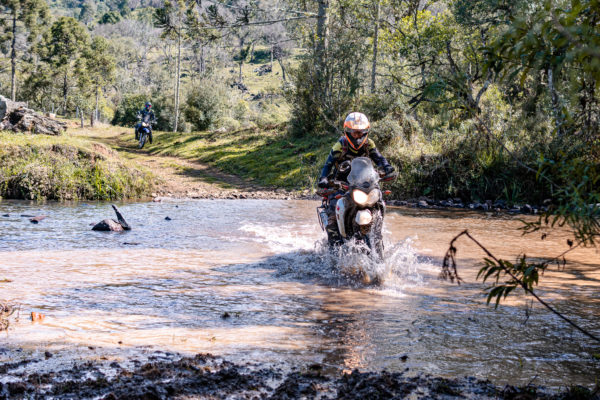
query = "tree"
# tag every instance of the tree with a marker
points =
(61, 48)
(21, 15)
(171, 19)
(99, 69)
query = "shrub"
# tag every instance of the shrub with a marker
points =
(126, 112)
(205, 103)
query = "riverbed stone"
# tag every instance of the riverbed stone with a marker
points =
(108, 225)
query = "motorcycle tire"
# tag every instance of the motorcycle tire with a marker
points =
(143, 138)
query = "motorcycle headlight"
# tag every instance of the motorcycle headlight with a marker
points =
(373, 197)
(363, 199)
(359, 197)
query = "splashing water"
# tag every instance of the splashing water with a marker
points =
(301, 257)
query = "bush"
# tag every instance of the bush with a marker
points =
(66, 172)
(126, 112)
(205, 103)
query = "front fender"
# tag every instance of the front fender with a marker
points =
(341, 208)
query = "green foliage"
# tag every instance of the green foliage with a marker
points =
(126, 113)
(110, 17)
(61, 171)
(519, 274)
(206, 103)
(575, 201)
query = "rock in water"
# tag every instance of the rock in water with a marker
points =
(108, 225)
(112, 225)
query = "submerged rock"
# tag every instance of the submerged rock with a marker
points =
(110, 225)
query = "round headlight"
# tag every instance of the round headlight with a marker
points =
(373, 197)
(359, 197)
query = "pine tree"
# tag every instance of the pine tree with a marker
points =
(21, 16)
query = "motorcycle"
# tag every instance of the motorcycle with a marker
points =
(360, 208)
(144, 130)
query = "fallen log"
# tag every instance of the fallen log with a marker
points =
(110, 225)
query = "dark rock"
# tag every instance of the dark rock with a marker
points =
(240, 86)
(167, 218)
(445, 203)
(27, 216)
(499, 204)
(6, 215)
(403, 357)
(527, 209)
(110, 225)
(225, 315)
(47, 354)
(423, 204)
(263, 69)
(481, 207)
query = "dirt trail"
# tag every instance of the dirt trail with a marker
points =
(181, 178)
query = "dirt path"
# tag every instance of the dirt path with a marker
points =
(181, 178)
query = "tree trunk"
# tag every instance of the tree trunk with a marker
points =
(375, 42)
(202, 68)
(282, 68)
(96, 114)
(81, 116)
(177, 83)
(65, 92)
(271, 59)
(13, 58)
(555, 105)
(322, 34)
(92, 118)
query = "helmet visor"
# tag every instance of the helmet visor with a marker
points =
(358, 133)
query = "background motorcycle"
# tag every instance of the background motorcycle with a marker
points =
(144, 130)
(360, 209)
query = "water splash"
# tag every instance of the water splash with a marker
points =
(301, 257)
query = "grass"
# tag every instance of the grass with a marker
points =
(267, 157)
(66, 167)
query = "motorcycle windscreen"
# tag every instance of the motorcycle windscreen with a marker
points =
(362, 173)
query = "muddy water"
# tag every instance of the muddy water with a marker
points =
(250, 280)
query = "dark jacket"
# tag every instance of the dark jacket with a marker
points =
(342, 151)
(143, 112)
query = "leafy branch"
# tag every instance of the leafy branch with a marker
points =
(521, 274)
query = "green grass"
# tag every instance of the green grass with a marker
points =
(39, 167)
(267, 157)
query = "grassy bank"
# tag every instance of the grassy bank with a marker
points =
(273, 157)
(269, 157)
(66, 168)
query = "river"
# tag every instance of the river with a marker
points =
(251, 280)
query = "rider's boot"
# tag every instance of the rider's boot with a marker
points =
(137, 135)
(333, 235)
(150, 137)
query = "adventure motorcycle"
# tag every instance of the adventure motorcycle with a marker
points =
(360, 208)
(144, 130)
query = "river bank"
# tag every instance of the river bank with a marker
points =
(104, 163)
(167, 375)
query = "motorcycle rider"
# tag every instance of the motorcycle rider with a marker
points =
(141, 115)
(354, 143)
